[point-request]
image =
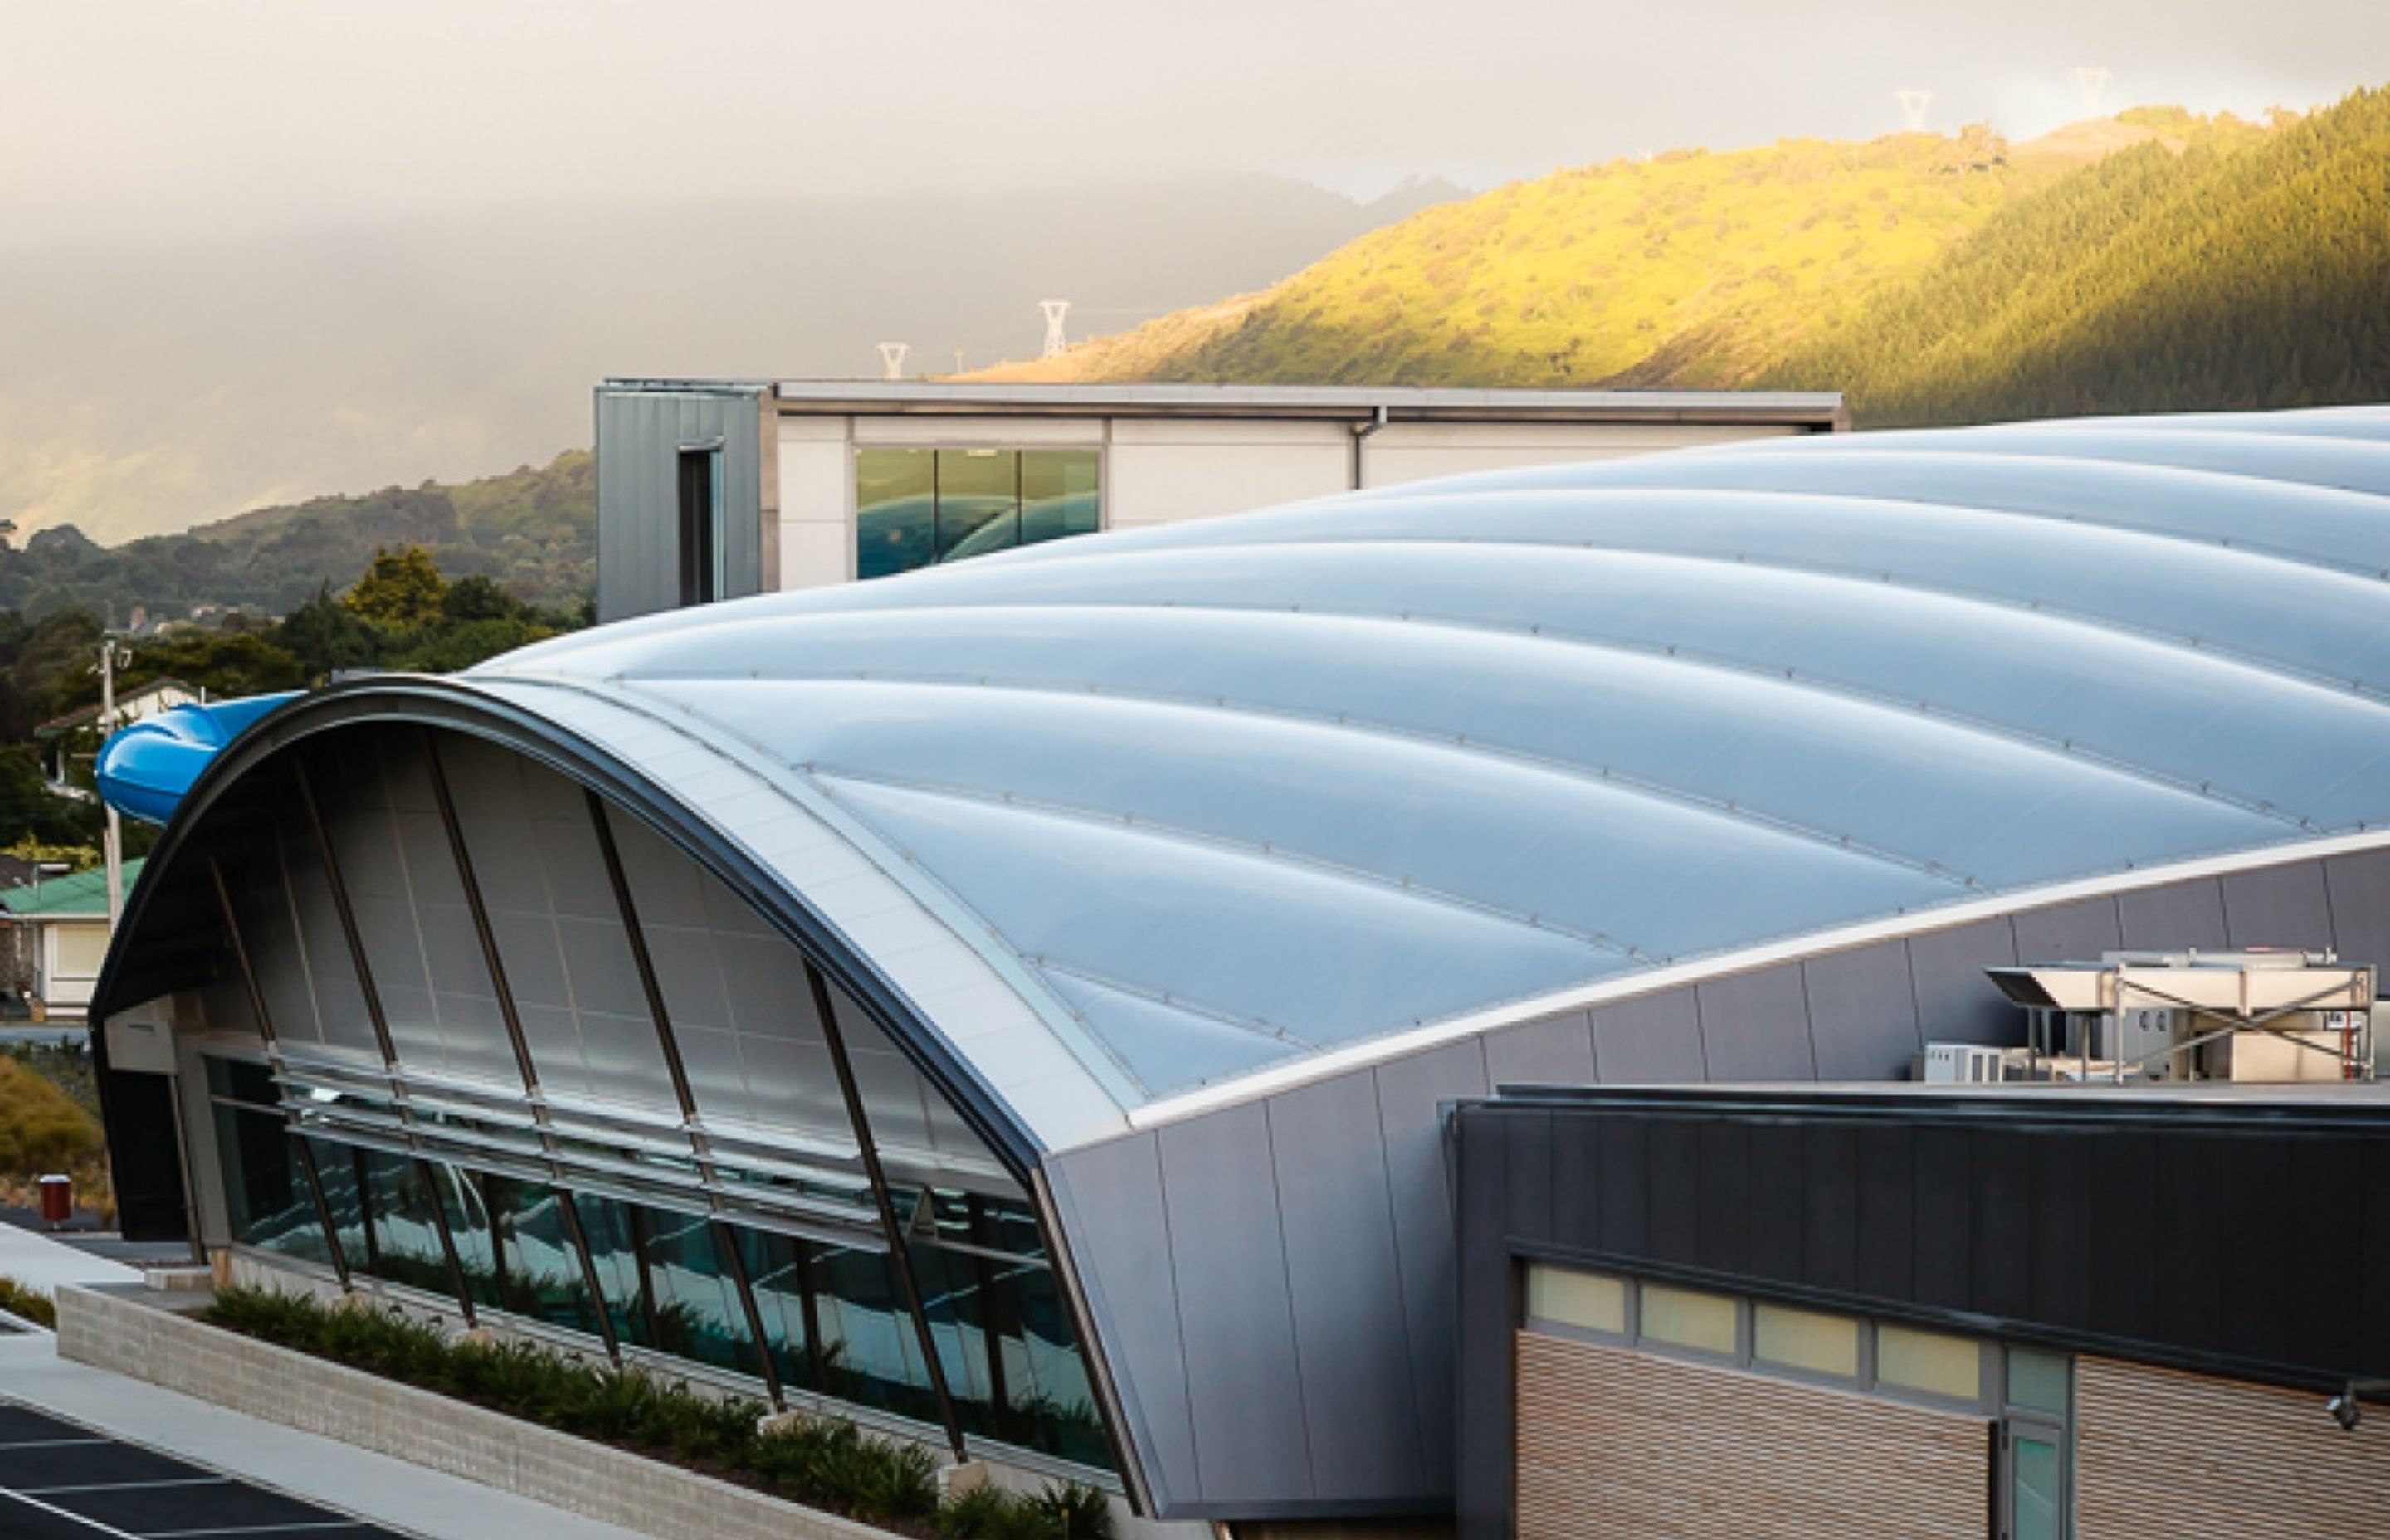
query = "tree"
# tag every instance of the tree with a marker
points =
(480, 599)
(324, 634)
(401, 590)
(461, 646)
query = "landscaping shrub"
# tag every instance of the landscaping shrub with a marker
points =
(823, 1462)
(24, 1303)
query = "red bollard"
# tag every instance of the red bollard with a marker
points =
(57, 1200)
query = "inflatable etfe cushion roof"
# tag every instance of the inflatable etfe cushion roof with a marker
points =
(1212, 799)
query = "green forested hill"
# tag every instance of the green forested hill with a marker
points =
(2255, 276)
(2157, 260)
(533, 530)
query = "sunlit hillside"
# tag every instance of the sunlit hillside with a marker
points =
(1691, 268)
(2220, 278)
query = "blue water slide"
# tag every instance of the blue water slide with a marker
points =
(145, 770)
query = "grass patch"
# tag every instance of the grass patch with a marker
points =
(25, 1302)
(49, 1121)
(821, 1462)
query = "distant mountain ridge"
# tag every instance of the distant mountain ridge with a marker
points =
(153, 389)
(2158, 259)
(533, 530)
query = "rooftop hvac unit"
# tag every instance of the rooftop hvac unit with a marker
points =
(2253, 1016)
(1960, 1064)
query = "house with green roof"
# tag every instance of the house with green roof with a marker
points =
(63, 921)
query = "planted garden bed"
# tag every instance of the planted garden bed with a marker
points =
(821, 1462)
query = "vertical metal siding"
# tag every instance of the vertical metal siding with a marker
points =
(1109, 1199)
(1652, 1041)
(2178, 915)
(1955, 1002)
(2278, 907)
(2068, 932)
(1555, 1051)
(1227, 1251)
(640, 435)
(2179, 1457)
(1613, 1444)
(1755, 1026)
(2358, 887)
(1353, 1344)
(1862, 1012)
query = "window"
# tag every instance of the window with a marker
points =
(1795, 1342)
(2036, 1446)
(1929, 1363)
(918, 507)
(1689, 1318)
(1591, 1301)
(1806, 1340)
(267, 1203)
(702, 580)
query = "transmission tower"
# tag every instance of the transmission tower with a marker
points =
(1056, 343)
(2091, 80)
(1912, 108)
(892, 358)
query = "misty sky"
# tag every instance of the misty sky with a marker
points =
(189, 118)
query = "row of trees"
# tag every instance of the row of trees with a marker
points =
(402, 613)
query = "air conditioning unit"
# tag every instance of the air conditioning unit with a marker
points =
(1960, 1064)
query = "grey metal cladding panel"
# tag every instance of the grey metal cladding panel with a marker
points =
(1410, 1093)
(2174, 917)
(1227, 1254)
(1955, 1002)
(1654, 1040)
(1862, 1012)
(2360, 889)
(637, 546)
(1351, 1342)
(2068, 932)
(1555, 1051)
(2279, 906)
(1755, 1026)
(1108, 1202)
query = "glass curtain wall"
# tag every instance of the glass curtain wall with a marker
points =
(434, 1173)
(917, 508)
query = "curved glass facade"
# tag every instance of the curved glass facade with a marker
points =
(509, 1049)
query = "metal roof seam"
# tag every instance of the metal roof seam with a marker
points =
(2373, 695)
(1774, 675)
(1157, 828)
(1607, 775)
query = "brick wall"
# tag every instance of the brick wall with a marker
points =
(129, 1334)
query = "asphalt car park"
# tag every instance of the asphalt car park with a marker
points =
(62, 1481)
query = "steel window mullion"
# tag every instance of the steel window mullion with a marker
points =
(726, 1242)
(580, 1239)
(901, 1253)
(643, 961)
(315, 1178)
(356, 945)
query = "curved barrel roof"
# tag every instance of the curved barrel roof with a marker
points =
(1208, 800)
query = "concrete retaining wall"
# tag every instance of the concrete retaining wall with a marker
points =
(130, 1333)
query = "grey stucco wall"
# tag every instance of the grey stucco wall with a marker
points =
(640, 434)
(1274, 1282)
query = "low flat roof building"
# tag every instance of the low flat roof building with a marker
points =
(2030, 1313)
(1013, 1002)
(714, 489)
